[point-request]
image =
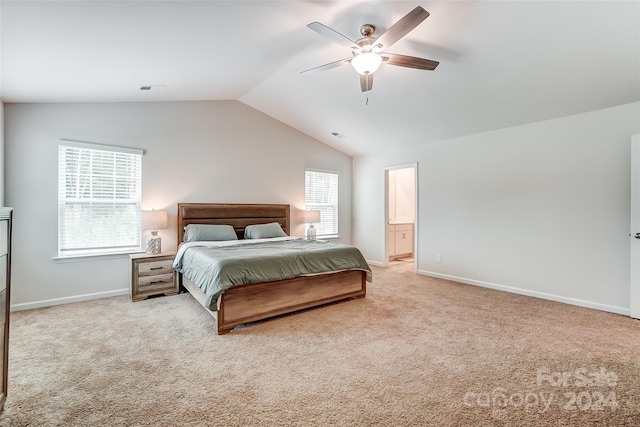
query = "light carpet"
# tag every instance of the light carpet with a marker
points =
(416, 351)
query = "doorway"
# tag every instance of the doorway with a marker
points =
(401, 216)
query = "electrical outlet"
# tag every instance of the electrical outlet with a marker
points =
(438, 258)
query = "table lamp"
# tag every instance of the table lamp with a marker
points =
(310, 217)
(153, 220)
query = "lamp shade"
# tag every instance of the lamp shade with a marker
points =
(153, 220)
(311, 217)
(366, 63)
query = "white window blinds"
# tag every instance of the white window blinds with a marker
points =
(321, 193)
(98, 199)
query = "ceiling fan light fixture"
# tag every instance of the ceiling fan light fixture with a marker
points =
(366, 63)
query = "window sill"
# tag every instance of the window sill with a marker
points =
(333, 236)
(95, 257)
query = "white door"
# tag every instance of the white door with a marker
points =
(635, 227)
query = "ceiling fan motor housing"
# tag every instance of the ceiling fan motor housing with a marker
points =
(367, 40)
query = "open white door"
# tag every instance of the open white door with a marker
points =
(635, 227)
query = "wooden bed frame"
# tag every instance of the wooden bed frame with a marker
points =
(251, 302)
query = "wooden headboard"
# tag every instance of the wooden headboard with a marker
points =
(237, 215)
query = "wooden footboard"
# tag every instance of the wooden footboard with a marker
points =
(248, 303)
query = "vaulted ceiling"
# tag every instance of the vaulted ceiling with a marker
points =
(502, 63)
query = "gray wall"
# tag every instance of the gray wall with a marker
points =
(215, 151)
(541, 209)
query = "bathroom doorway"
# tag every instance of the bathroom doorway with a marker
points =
(401, 216)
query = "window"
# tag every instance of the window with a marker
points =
(321, 193)
(98, 199)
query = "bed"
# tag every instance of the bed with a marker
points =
(250, 302)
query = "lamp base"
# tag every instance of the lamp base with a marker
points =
(311, 232)
(153, 243)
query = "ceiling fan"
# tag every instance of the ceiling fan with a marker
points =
(369, 52)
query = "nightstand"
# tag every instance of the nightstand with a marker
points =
(152, 275)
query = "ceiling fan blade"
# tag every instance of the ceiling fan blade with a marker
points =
(328, 66)
(332, 34)
(366, 82)
(409, 61)
(401, 28)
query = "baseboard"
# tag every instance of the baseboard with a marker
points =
(375, 263)
(520, 291)
(68, 300)
(527, 292)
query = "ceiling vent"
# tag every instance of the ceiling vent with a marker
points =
(151, 88)
(338, 135)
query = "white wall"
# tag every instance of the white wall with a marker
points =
(2, 168)
(218, 151)
(540, 209)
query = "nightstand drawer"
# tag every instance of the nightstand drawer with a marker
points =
(154, 268)
(155, 281)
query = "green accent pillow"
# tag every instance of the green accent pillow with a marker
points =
(264, 231)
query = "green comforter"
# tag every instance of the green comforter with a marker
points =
(215, 269)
